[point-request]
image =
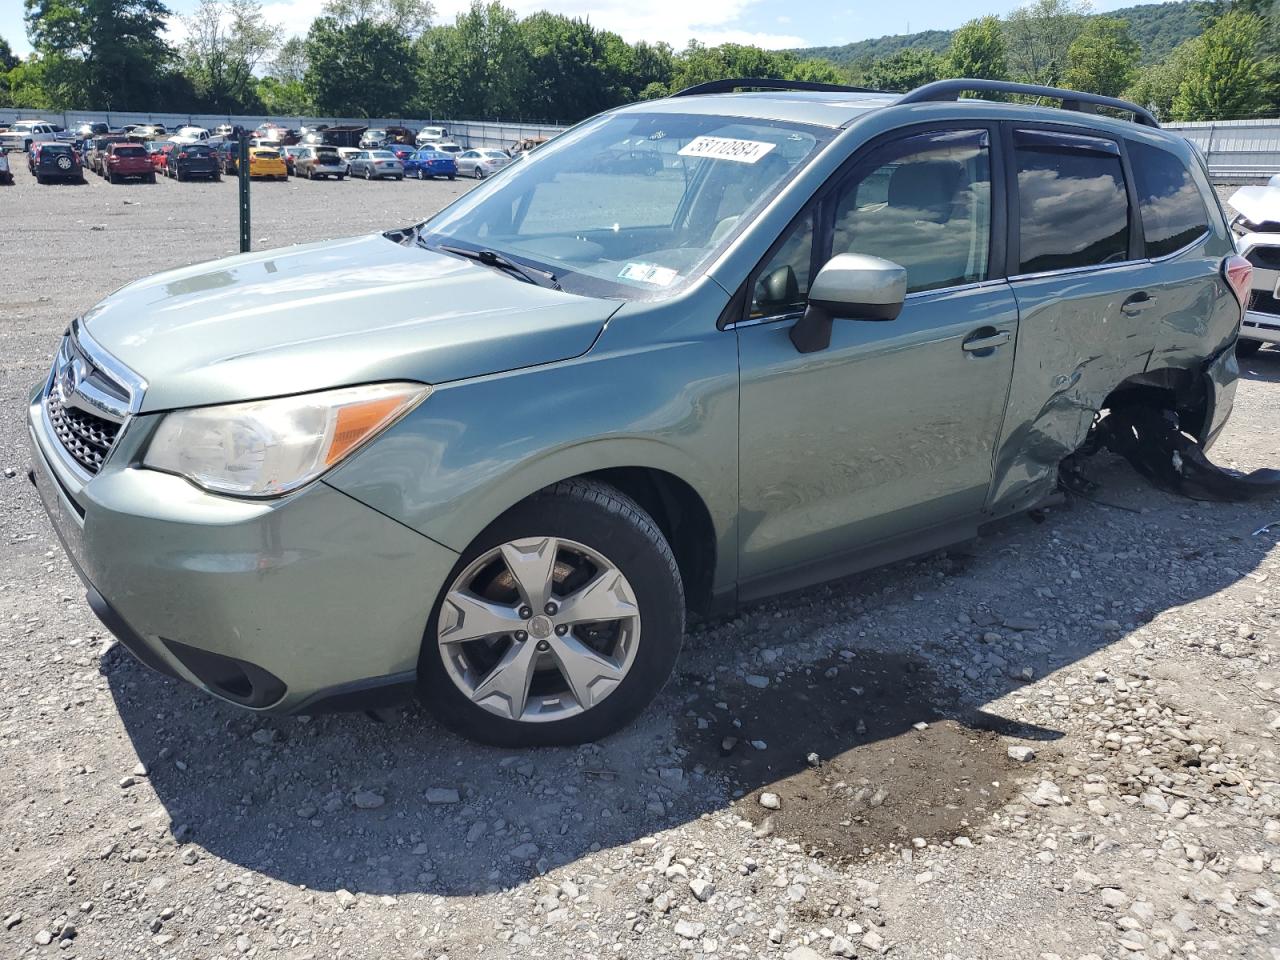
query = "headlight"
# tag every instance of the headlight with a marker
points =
(268, 447)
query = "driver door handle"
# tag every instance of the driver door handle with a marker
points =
(983, 341)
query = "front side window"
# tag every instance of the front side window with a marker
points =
(923, 202)
(1173, 211)
(782, 284)
(1073, 210)
(630, 205)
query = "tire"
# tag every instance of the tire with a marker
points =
(341, 177)
(453, 176)
(40, 178)
(477, 173)
(1247, 348)
(113, 178)
(151, 178)
(580, 515)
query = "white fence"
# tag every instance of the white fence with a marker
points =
(469, 133)
(1238, 151)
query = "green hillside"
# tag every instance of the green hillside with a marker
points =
(1158, 28)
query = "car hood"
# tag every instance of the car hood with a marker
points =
(333, 314)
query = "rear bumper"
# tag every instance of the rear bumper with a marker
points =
(306, 603)
(1220, 376)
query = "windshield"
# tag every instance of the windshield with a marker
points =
(630, 205)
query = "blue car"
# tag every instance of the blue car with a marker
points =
(427, 163)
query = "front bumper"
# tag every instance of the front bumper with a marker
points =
(1260, 326)
(310, 602)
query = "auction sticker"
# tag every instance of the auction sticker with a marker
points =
(648, 273)
(726, 148)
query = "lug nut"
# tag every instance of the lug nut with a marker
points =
(525, 613)
(550, 609)
(521, 636)
(543, 646)
(561, 630)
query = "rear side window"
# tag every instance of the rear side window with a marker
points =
(1173, 211)
(1073, 210)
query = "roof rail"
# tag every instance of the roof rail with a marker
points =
(1071, 99)
(766, 83)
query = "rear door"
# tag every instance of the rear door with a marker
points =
(1077, 269)
(886, 437)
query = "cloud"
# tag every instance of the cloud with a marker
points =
(673, 21)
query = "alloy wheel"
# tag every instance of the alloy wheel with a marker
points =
(539, 629)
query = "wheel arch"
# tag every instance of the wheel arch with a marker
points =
(1186, 391)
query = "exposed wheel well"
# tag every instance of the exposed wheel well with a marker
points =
(1184, 391)
(683, 519)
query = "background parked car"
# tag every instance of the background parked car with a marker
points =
(87, 131)
(159, 151)
(190, 135)
(55, 161)
(320, 161)
(97, 152)
(190, 161)
(227, 153)
(428, 162)
(128, 161)
(290, 155)
(431, 135)
(448, 146)
(482, 163)
(402, 150)
(376, 165)
(23, 133)
(6, 175)
(148, 131)
(267, 163)
(346, 153)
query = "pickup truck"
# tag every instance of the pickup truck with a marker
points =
(22, 134)
(128, 161)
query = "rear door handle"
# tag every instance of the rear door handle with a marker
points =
(985, 342)
(1137, 303)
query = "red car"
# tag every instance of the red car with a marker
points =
(160, 157)
(128, 161)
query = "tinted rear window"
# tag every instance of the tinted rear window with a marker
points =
(194, 151)
(130, 152)
(1073, 208)
(1173, 211)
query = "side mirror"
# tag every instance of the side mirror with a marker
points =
(853, 286)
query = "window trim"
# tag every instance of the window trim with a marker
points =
(821, 205)
(1135, 252)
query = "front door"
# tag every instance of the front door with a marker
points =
(890, 431)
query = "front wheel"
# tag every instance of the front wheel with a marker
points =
(559, 624)
(478, 173)
(1247, 348)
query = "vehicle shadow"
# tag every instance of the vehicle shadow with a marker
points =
(864, 707)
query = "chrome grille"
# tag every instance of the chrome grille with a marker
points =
(87, 401)
(87, 438)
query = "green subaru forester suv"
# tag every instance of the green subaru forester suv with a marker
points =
(691, 352)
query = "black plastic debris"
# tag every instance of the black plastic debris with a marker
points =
(1151, 440)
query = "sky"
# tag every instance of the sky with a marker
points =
(767, 23)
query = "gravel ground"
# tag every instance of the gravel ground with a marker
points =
(1056, 742)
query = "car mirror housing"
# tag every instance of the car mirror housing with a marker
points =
(851, 286)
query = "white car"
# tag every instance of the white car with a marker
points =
(449, 147)
(1256, 227)
(22, 134)
(432, 135)
(190, 135)
(481, 163)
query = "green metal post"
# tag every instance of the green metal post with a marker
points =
(242, 172)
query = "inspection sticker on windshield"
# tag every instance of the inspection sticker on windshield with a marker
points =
(648, 273)
(726, 148)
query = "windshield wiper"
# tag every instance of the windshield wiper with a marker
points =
(491, 258)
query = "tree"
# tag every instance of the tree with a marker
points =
(290, 63)
(1157, 85)
(226, 42)
(565, 68)
(978, 51)
(411, 18)
(1102, 58)
(100, 54)
(358, 70)
(906, 70)
(476, 67)
(8, 59)
(1037, 37)
(1226, 79)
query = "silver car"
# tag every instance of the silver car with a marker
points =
(482, 163)
(376, 165)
